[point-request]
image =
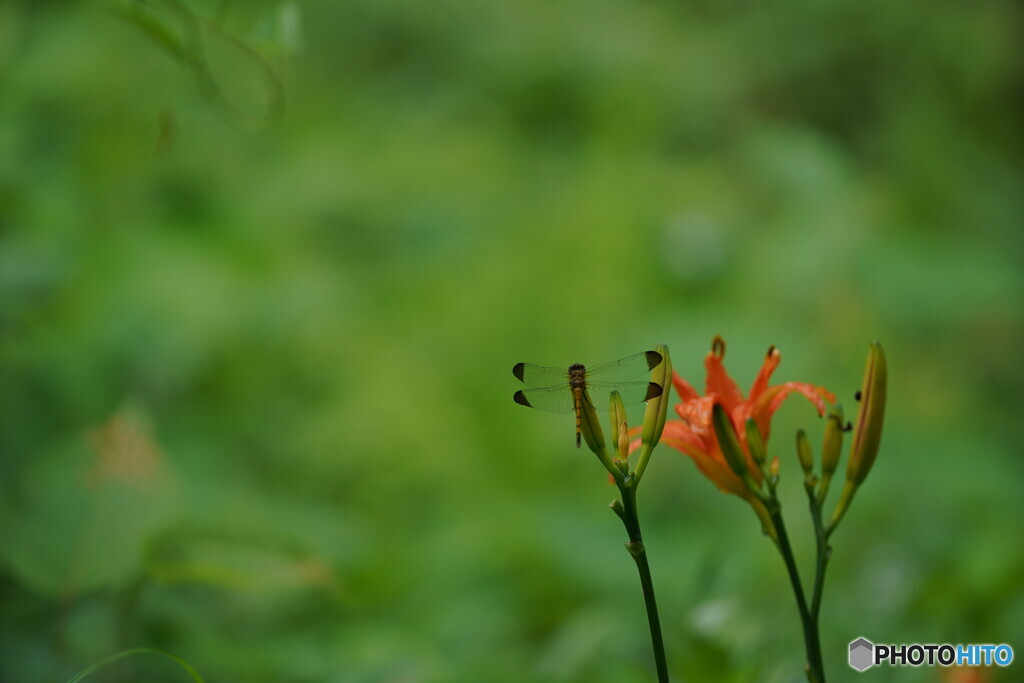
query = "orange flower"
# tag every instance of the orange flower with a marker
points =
(694, 433)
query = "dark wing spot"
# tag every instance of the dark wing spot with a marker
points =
(517, 370)
(653, 358)
(520, 398)
(653, 391)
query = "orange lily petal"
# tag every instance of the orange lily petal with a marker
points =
(681, 437)
(683, 388)
(697, 414)
(720, 383)
(721, 474)
(771, 361)
(771, 400)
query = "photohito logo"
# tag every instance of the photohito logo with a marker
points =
(861, 654)
(864, 654)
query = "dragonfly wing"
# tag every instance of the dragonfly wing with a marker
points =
(552, 399)
(540, 376)
(631, 392)
(624, 369)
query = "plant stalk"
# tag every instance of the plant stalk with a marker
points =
(824, 553)
(627, 512)
(808, 619)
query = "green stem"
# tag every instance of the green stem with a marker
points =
(628, 514)
(815, 669)
(824, 553)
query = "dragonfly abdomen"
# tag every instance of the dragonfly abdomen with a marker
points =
(577, 404)
(578, 382)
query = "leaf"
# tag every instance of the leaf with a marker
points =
(134, 651)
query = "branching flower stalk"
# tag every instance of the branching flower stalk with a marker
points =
(726, 435)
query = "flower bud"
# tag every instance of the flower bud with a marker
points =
(755, 442)
(623, 441)
(727, 441)
(617, 412)
(730, 446)
(868, 433)
(590, 427)
(657, 406)
(803, 450)
(832, 444)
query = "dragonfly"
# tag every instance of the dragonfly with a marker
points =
(558, 390)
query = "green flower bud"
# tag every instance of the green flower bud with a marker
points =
(623, 441)
(832, 444)
(803, 450)
(728, 442)
(590, 427)
(755, 442)
(868, 433)
(617, 412)
(657, 407)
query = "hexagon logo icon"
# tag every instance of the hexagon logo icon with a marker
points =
(862, 654)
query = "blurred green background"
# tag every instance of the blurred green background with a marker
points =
(265, 268)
